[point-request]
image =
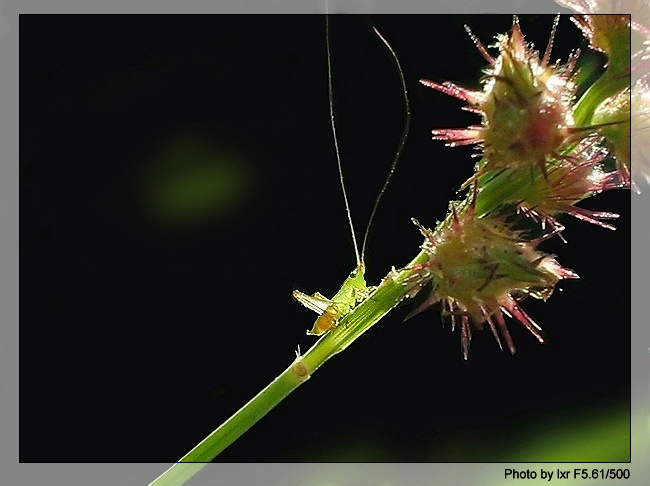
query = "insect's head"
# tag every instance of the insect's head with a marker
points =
(357, 277)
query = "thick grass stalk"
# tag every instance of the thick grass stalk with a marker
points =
(393, 289)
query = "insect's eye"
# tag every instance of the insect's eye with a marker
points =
(353, 273)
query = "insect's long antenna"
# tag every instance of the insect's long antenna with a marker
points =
(336, 143)
(400, 146)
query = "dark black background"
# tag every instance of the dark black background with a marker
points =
(139, 336)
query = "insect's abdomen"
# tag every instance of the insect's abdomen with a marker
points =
(325, 322)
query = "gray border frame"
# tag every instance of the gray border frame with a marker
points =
(15, 474)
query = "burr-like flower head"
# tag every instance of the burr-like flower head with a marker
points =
(541, 154)
(525, 106)
(606, 33)
(614, 115)
(640, 125)
(577, 177)
(479, 267)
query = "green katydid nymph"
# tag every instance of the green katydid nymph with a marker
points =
(354, 289)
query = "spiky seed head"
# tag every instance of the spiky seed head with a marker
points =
(606, 33)
(525, 106)
(614, 114)
(606, 6)
(579, 176)
(601, 34)
(640, 125)
(479, 267)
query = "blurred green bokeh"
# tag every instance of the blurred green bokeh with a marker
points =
(595, 436)
(193, 180)
(575, 433)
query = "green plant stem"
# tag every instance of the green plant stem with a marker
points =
(393, 289)
(606, 86)
(232, 428)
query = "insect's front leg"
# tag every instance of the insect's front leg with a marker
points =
(361, 294)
